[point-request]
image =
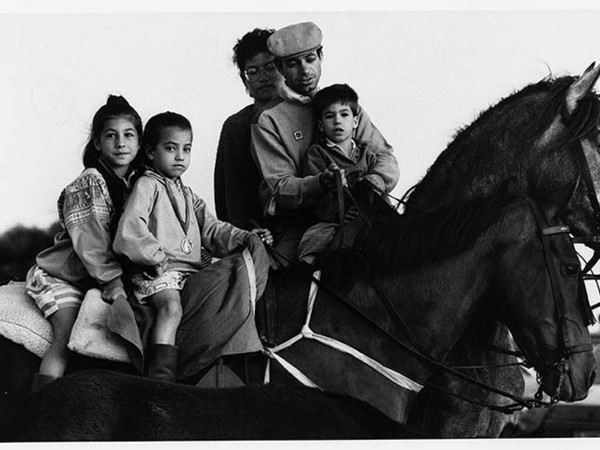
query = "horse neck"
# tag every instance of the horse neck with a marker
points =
(506, 142)
(435, 300)
(438, 301)
(435, 317)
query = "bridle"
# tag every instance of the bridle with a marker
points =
(588, 156)
(566, 349)
(557, 362)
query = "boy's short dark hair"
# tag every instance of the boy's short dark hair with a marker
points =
(250, 45)
(158, 123)
(336, 93)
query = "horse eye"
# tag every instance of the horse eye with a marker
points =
(571, 270)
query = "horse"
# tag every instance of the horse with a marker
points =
(111, 406)
(416, 284)
(408, 289)
(546, 136)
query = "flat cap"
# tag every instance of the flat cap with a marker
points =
(295, 40)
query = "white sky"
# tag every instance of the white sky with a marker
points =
(422, 71)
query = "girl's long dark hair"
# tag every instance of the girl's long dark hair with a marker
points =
(116, 106)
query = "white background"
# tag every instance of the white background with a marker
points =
(422, 71)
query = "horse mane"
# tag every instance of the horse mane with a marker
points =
(503, 137)
(385, 245)
(548, 96)
(581, 123)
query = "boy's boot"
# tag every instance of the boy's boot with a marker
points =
(163, 362)
(40, 380)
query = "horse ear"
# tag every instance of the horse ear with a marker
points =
(581, 87)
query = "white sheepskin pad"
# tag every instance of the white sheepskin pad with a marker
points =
(91, 336)
(23, 323)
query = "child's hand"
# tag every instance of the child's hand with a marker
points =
(156, 271)
(264, 235)
(328, 177)
(351, 214)
(344, 180)
(111, 294)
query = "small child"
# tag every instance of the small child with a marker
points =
(162, 230)
(89, 208)
(336, 111)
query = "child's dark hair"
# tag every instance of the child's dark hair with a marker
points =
(336, 93)
(251, 44)
(115, 106)
(157, 124)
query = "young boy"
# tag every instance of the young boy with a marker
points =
(336, 109)
(162, 232)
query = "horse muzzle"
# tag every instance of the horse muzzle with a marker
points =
(570, 379)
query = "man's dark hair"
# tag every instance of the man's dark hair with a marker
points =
(336, 93)
(251, 44)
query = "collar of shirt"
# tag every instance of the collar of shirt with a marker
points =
(126, 180)
(155, 173)
(353, 150)
(287, 93)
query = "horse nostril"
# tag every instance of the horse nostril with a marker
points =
(593, 377)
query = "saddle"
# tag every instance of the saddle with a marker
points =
(280, 280)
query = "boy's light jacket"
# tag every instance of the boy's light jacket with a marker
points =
(150, 233)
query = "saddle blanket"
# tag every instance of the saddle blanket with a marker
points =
(22, 322)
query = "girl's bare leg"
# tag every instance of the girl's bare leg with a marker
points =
(55, 360)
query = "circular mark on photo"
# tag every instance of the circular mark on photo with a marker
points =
(53, 99)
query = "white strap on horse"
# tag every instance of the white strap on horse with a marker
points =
(292, 370)
(251, 271)
(306, 333)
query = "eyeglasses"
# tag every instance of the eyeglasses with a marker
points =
(253, 73)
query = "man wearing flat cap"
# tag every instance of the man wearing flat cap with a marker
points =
(284, 130)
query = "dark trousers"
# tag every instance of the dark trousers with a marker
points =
(287, 232)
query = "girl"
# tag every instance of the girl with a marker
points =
(89, 208)
(162, 231)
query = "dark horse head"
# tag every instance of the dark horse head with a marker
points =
(503, 256)
(539, 135)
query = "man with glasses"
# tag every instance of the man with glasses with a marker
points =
(236, 176)
(283, 131)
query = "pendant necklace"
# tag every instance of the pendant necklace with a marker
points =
(186, 243)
